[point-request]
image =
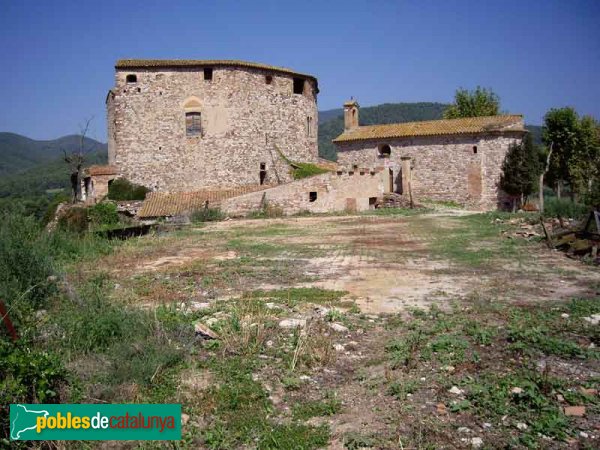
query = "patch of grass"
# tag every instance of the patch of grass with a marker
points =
(329, 406)
(207, 215)
(355, 441)
(555, 207)
(294, 296)
(401, 388)
(401, 212)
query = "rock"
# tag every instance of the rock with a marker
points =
(352, 345)
(184, 419)
(272, 306)
(40, 314)
(560, 398)
(211, 321)
(516, 390)
(205, 332)
(591, 392)
(583, 434)
(304, 377)
(198, 306)
(521, 426)
(338, 347)
(486, 425)
(564, 315)
(464, 430)
(292, 323)
(338, 327)
(441, 408)
(575, 411)
(322, 310)
(455, 390)
(448, 368)
(476, 442)
(269, 343)
(594, 319)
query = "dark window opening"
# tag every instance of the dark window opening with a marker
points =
(139, 89)
(385, 151)
(298, 86)
(269, 79)
(372, 202)
(312, 196)
(262, 174)
(474, 149)
(131, 78)
(193, 124)
(208, 74)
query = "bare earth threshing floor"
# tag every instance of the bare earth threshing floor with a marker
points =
(373, 331)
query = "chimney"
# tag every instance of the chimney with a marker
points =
(351, 114)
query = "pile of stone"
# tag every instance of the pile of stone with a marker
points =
(579, 241)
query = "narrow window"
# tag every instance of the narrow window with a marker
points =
(262, 174)
(298, 86)
(474, 149)
(131, 78)
(312, 196)
(309, 126)
(208, 74)
(384, 151)
(269, 79)
(193, 124)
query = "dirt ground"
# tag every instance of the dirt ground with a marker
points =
(392, 386)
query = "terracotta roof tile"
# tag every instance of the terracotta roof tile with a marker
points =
(161, 204)
(469, 125)
(101, 170)
(150, 63)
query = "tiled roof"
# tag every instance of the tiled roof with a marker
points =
(101, 170)
(161, 204)
(149, 63)
(469, 125)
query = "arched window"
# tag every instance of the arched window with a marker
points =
(384, 150)
(193, 117)
(131, 78)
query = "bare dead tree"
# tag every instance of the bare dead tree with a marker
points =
(77, 159)
(542, 175)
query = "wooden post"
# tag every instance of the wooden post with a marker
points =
(544, 172)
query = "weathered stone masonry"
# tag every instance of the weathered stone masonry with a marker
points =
(249, 113)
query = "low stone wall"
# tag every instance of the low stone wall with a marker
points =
(354, 190)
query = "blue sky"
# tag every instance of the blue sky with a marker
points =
(58, 57)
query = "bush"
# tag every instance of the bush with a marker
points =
(555, 207)
(207, 215)
(74, 220)
(122, 189)
(305, 170)
(268, 211)
(25, 264)
(103, 214)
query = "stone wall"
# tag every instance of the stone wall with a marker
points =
(444, 168)
(336, 191)
(245, 119)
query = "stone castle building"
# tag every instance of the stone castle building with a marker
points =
(186, 125)
(457, 160)
(228, 133)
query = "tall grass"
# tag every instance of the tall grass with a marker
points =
(563, 207)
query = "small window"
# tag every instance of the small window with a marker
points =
(208, 74)
(269, 79)
(193, 124)
(385, 151)
(131, 78)
(298, 86)
(309, 126)
(312, 196)
(474, 149)
(262, 174)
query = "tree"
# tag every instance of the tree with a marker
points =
(77, 159)
(584, 163)
(520, 170)
(480, 102)
(561, 128)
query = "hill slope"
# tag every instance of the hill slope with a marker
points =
(19, 153)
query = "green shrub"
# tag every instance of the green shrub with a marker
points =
(555, 207)
(53, 205)
(74, 220)
(25, 264)
(305, 170)
(122, 189)
(28, 375)
(103, 214)
(207, 215)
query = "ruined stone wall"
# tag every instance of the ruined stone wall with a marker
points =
(335, 191)
(244, 120)
(444, 168)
